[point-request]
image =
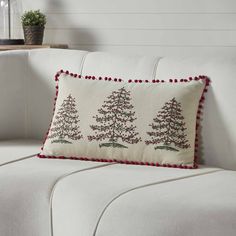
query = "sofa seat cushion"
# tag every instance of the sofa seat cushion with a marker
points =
(25, 193)
(134, 200)
(74, 192)
(12, 150)
(65, 197)
(202, 205)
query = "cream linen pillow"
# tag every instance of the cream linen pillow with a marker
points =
(133, 122)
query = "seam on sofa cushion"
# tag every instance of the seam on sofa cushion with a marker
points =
(26, 96)
(144, 186)
(155, 76)
(63, 177)
(155, 67)
(20, 159)
(82, 63)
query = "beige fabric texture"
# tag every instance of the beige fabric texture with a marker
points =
(101, 109)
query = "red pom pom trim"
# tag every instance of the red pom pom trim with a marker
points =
(205, 79)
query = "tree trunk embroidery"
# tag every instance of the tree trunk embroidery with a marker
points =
(66, 123)
(116, 117)
(168, 128)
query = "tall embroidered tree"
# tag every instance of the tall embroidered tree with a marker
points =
(168, 128)
(115, 121)
(66, 122)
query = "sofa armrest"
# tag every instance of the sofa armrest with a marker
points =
(13, 93)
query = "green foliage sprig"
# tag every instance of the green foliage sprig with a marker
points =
(33, 18)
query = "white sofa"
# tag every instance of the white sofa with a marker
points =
(46, 197)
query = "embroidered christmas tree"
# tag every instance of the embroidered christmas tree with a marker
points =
(65, 125)
(115, 121)
(168, 128)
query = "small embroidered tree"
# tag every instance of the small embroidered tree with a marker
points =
(115, 121)
(66, 123)
(169, 128)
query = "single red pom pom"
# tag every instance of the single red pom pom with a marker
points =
(163, 81)
(157, 80)
(140, 81)
(115, 79)
(79, 76)
(135, 81)
(71, 74)
(67, 72)
(109, 79)
(146, 81)
(93, 77)
(170, 80)
(154, 81)
(120, 80)
(130, 81)
(100, 78)
(176, 80)
(190, 78)
(181, 80)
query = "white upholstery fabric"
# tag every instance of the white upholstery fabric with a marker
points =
(120, 66)
(77, 196)
(91, 193)
(25, 191)
(28, 91)
(13, 150)
(13, 76)
(201, 205)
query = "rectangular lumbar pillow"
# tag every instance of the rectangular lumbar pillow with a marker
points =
(133, 122)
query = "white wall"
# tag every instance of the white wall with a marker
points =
(158, 27)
